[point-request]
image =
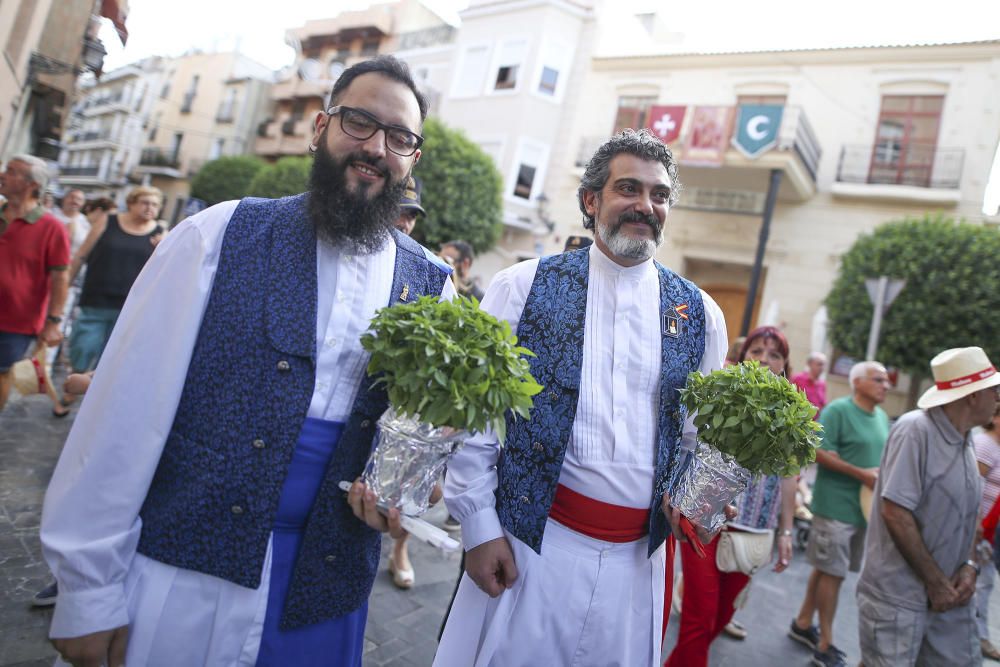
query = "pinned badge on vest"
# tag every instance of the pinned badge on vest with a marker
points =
(673, 323)
(405, 293)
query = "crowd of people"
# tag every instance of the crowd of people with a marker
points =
(190, 521)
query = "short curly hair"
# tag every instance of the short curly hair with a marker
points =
(640, 143)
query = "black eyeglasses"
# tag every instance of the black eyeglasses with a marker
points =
(362, 125)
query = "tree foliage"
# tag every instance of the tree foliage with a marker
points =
(951, 297)
(451, 363)
(287, 176)
(461, 190)
(225, 178)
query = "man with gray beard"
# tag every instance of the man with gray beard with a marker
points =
(195, 517)
(589, 476)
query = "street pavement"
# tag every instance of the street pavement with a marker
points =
(402, 625)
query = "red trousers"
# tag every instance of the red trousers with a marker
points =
(707, 605)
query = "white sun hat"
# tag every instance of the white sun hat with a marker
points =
(958, 372)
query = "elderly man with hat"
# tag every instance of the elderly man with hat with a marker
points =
(915, 591)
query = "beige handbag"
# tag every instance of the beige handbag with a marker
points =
(739, 551)
(31, 375)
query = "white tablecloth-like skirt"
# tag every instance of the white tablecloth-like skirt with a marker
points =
(582, 602)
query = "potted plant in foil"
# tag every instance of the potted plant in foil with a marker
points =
(750, 422)
(450, 369)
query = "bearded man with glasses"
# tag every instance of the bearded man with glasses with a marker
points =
(194, 517)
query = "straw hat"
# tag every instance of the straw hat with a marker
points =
(958, 372)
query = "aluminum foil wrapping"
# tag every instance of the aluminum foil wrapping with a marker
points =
(407, 460)
(711, 481)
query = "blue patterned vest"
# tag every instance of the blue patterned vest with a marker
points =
(552, 326)
(213, 498)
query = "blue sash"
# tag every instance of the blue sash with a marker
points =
(337, 642)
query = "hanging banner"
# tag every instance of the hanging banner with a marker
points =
(708, 137)
(665, 122)
(757, 129)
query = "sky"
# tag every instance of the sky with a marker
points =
(257, 28)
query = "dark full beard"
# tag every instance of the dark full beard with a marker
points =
(351, 219)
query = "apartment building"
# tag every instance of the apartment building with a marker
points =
(107, 128)
(207, 105)
(325, 47)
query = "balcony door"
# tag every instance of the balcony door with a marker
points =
(906, 141)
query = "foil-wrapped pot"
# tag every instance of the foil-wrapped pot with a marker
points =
(712, 481)
(407, 460)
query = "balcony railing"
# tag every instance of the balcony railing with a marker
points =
(157, 157)
(225, 114)
(79, 171)
(188, 103)
(893, 163)
(795, 135)
(288, 126)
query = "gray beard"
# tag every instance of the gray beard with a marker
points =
(625, 246)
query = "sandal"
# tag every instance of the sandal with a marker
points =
(403, 578)
(735, 630)
(59, 415)
(990, 651)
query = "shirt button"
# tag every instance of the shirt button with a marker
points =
(259, 444)
(330, 558)
(284, 366)
(330, 342)
(341, 297)
(366, 423)
(236, 509)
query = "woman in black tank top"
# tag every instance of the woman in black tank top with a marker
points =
(115, 252)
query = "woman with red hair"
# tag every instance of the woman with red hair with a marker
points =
(711, 596)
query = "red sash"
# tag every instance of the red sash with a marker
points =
(600, 521)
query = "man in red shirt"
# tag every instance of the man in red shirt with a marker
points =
(811, 380)
(34, 256)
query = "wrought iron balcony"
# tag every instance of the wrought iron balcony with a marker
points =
(893, 163)
(79, 171)
(157, 157)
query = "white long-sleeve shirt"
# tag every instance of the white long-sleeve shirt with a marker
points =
(611, 454)
(90, 521)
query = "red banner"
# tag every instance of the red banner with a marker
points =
(665, 122)
(708, 137)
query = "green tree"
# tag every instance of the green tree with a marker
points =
(226, 178)
(951, 297)
(461, 190)
(287, 176)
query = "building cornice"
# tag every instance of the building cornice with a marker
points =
(860, 54)
(580, 10)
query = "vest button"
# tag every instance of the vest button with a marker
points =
(366, 423)
(538, 446)
(524, 499)
(330, 558)
(236, 509)
(284, 366)
(259, 444)
(552, 395)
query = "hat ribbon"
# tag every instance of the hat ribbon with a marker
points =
(966, 379)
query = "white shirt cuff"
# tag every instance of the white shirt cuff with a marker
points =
(481, 527)
(81, 613)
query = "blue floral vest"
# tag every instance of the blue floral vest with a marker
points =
(552, 326)
(213, 498)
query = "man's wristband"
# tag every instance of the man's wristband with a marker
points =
(973, 564)
(54, 319)
(785, 533)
